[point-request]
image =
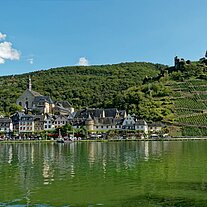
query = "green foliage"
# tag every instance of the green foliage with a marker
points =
(179, 95)
(67, 128)
(194, 131)
(149, 101)
(92, 86)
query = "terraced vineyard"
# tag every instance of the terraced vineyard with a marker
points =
(190, 100)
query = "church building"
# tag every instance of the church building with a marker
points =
(31, 100)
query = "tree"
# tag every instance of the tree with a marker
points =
(14, 108)
(67, 128)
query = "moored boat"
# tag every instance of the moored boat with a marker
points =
(60, 138)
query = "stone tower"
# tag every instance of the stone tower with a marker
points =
(89, 123)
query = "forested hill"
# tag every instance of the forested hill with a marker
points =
(91, 86)
(175, 95)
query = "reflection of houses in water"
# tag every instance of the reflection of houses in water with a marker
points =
(47, 172)
(153, 148)
(146, 150)
(47, 169)
(72, 159)
(91, 153)
(10, 154)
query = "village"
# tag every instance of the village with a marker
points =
(41, 114)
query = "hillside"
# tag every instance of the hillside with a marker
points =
(175, 95)
(189, 86)
(92, 86)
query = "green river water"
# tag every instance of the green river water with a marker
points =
(108, 174)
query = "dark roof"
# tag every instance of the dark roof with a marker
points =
(141, 122)
(59, 108)
(59, 116)
(63, 104)
(38, 117)
(34, 93)
(108, 121)
(89, 118)
(27, 117)
(122, 113)
(97, 113)
(47, 116)
(81, 114)
(38, 99)
(5, 119)
(111, 112)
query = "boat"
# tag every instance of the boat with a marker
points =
(60, 138)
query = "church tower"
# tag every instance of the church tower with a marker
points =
(30, 84)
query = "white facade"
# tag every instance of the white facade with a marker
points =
(129, 120)
(48, 124)
(107, 127)
(26, 124)
(142, 127)
(6, 125)
(60, 121)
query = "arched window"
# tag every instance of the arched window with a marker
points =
(20, 103)
(26, 104)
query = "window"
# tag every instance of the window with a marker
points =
(45, 126)
(26, 104)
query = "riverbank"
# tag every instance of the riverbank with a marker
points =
(110, 140)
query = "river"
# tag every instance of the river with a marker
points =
(108, 174)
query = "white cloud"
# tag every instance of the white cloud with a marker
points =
(2, 36)
(83, 61)
(31, 61)
(7, 52)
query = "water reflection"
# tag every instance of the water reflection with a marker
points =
(64, 159)
(71, 174)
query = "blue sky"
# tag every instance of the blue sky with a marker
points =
(43, 34)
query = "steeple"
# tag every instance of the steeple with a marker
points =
(30, 84)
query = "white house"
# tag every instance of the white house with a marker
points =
(6, 125)
(141, 125)
(26, 124)
(60, 120)
(48, 122)
(128, 122)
